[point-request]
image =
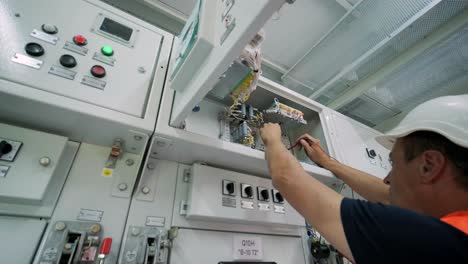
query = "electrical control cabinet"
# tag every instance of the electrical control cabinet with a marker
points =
(160, 215)
(93, 205)
(69, 63)
(200, 139)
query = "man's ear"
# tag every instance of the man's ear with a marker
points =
(433, 163)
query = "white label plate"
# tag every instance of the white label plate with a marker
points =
(90, 215)
(279, 209)
(264, 207)
(155, 221)
(44, 36)
(27, 61)
(62, 72)
(247, 204)
(247, 248)
(75, 48)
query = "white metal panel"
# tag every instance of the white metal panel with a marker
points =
(350, 140)
(25, 168)
(206, 197)
(87, 189)
(19, 238)
(117, 94)
(179, 219)
(197, 246)
(47, 205)
(152, 209)
(249, 18)
(47, 109)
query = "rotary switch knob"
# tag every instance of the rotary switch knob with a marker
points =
(264, 194)
(230, 188)
(279, 197)
(248, 191)
(5, 148)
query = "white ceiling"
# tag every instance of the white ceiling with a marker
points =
(295, 28)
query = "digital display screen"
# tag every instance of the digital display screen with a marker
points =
(116, 29)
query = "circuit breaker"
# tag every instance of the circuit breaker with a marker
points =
(93, 206)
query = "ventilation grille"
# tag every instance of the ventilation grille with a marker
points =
(417, 31)
(371, 22)
(441, 70)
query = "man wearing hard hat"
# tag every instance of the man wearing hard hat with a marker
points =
(419, 214)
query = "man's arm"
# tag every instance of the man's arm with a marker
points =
(368, 186)
(319, 205)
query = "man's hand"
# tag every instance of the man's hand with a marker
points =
(270, 133)
(314, 150)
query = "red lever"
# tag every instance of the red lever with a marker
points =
(106, 246)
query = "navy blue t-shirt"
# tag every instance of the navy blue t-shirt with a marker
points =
(379, 234)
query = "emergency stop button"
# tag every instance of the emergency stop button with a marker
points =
(80, 40)
(98, 71)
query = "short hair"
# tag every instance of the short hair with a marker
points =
(416, 143)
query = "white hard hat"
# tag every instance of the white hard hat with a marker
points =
(447, 116)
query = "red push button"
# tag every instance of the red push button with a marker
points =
(80, 40)
(98, 71)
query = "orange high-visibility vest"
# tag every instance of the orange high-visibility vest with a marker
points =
(458, 220)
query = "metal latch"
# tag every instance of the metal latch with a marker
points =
(115, 153)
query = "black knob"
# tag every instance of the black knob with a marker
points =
(264, 194)
(68, 61)
(34, 49)
(279, 197)
(230, 188)
(248, 191)
(5, 148)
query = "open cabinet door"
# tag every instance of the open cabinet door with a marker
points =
(212, 39)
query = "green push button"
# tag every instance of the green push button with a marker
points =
(107, 50)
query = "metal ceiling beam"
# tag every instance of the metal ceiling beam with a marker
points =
(435, 37)
(345, 4)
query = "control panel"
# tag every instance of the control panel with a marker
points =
(216, 194)
(80, 50)
(32, 163)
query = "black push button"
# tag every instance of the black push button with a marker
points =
(68, 61)
(98, 71)
(49, 29)
(34, 49)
